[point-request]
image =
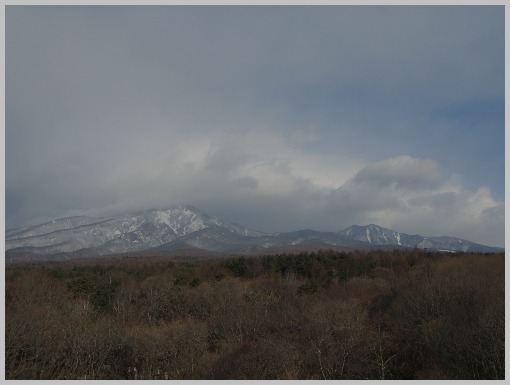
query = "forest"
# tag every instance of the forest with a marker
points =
(324, 315)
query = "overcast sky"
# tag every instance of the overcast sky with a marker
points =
(276, 117)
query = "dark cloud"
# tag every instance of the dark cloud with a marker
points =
(404, 172)
(276, 117)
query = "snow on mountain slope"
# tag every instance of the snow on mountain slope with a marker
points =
(52, 226)
(182, 227)
(378, 236)
(141, 231)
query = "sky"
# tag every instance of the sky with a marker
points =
(279, 118)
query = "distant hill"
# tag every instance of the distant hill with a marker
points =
(186, 228)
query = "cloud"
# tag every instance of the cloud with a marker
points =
(268, 192)
(404, 172)
(260, 165)
(274, 117)
(412, 195)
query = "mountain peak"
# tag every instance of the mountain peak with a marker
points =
(372, 234)
(184, 226)
(143, 230)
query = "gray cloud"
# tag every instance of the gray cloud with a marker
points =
(275, 117)
(400, 199)
(404, 172)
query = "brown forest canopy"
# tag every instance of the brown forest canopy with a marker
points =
(315, 315)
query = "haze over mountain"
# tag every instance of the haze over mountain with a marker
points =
(184, 228)
(277, 117)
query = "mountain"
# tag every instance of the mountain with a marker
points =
(144, 230)
(379, 236)
(184, 228)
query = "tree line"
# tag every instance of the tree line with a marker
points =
(402, 314)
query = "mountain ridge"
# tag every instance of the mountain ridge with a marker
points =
(186, 227)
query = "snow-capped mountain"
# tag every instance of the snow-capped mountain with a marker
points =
(379, 236)
(142, 231)
(187, 228)
(48, 227)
